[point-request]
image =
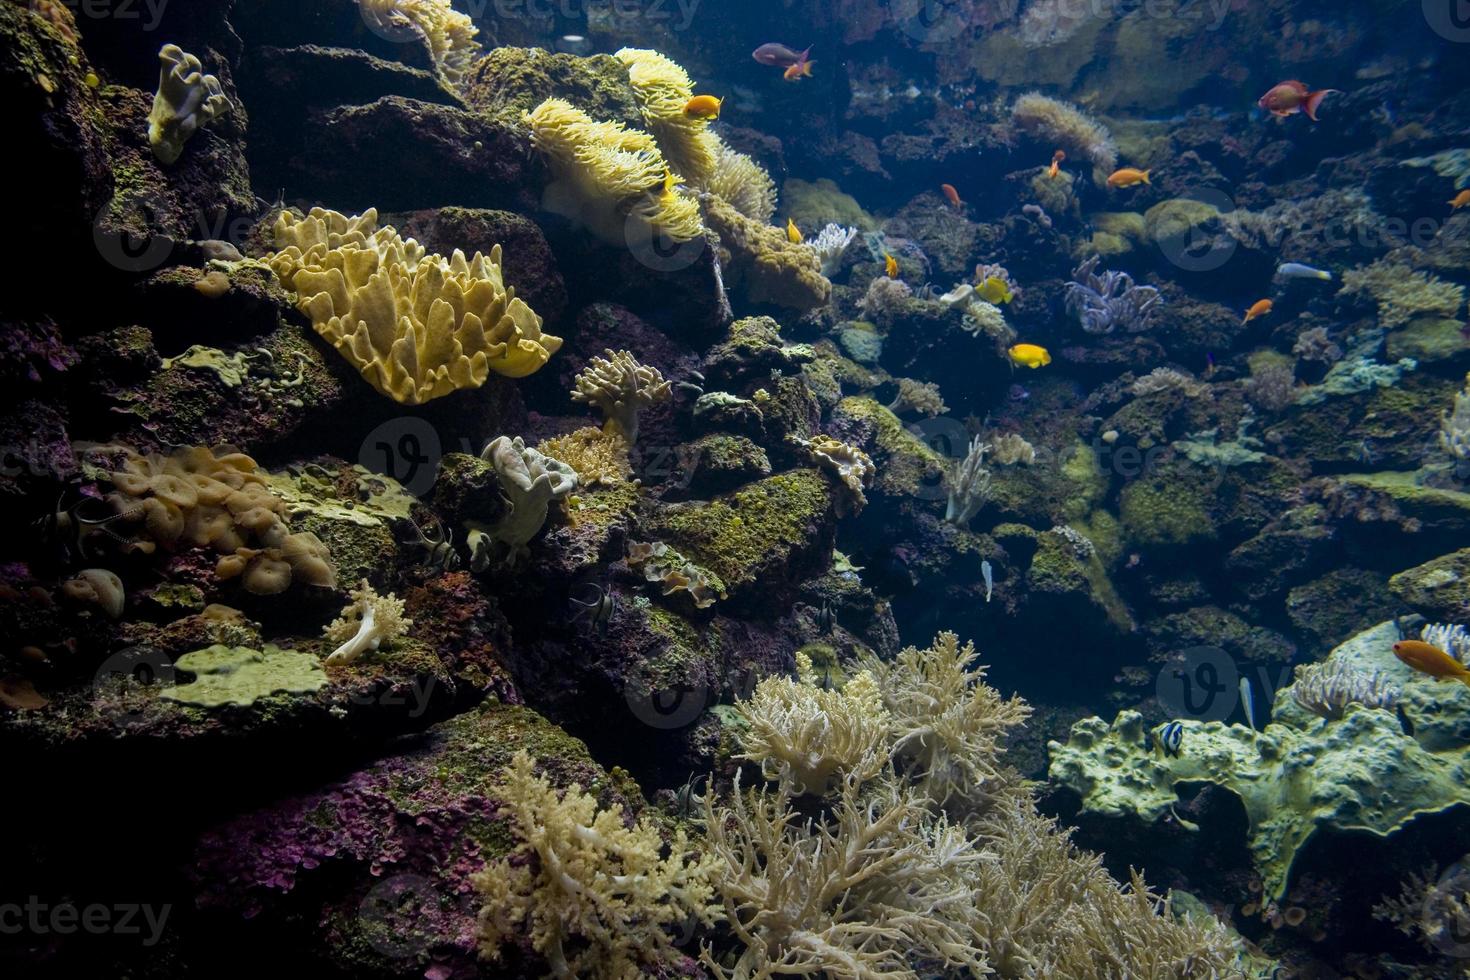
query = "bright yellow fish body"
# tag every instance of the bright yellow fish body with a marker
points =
(793, 233)
(890, 266)
(703, 107)
(994, 291)
(1029, 355)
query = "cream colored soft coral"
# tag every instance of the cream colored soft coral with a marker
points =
(417, 326)
(621, 387)
(449, 33)
(598, 898)
(187, 99)
(368, 622)
(851, 466)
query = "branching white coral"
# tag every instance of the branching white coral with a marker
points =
(187, 99)
(807, 739)
(969, 485)
(829, 244)
(370, 621)
(620, 386)
(598, 898)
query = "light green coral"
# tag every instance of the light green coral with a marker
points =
(187, 99)
(1402, 293)
(1301, 773)
(242, 676)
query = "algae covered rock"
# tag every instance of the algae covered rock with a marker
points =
(241, 676)
(1301, 775)
(1439, 589)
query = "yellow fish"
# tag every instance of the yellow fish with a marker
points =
(1128, 177)
(994, 290)
(671, 180)
(703, 107)
(890, 266)
(793, 233)
(1029, 355)
(1460, 200)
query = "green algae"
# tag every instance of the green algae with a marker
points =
(242, 676)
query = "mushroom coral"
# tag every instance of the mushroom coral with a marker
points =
(416, 325)
(187, 99)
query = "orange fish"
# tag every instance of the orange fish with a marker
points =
(1460, 200)
(1056, 163)
(951, 195)
(1128, 177)
(799, 69)
(1289, 98)
(1259, 308)
(1429, 659)
(890, 266)
(703, 107)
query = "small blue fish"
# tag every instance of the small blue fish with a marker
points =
(1295, 270)
(1171, 737)
(1248, 702)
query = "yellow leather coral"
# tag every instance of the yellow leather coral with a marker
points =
(449, 33)
(743, 184)
(606, 172)
(416, 325)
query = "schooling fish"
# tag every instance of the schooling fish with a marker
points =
(1029, 355)
(890, 266)
(1295, 270)
(1289, 98)
(778, 55)
(703, 107)
(793, 233)
(1258, 309)
(1171, 737)
(1460, 200)
(995, 291)
(1056, 163)
(1128, 177)
(951, 195)
(1430, 659)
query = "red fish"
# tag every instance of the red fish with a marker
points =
(778, 55)
(951, 195)
(1289, 98)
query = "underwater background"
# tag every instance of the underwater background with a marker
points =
(613, 488)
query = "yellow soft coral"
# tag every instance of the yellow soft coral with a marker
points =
(598, 897)
(598, 456)
(449, 33)
(771, 269)
(743, 184)
(416, 325)
(606, 172)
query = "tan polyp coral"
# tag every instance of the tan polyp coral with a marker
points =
(772, 269)
(1068, 128)
(663, 89)
(743, 184)
(99, 587)
(607, 174)
(187, 99)
(417, 326)
(620, 387)
(599, 457)
(665, 566)
(368, 622)
(193, 498)
(850, 465)
(530, 481)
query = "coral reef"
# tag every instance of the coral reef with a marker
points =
(1055, 122)
(620, 388)
(1106, 302)
(368, 622)
(187, 100)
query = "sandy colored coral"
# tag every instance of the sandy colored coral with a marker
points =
(530, 481)
(771, 269)
(852, 467)
(193, 498)
(1069, 128)
(598, 456)
(595, 895)
(663, 89)
(417, 326)
(1401, 293)
(918, 396)
(620, 388)
(368, 622)
(675, 573)
(449, 33)
(607, 174)
(743, 184)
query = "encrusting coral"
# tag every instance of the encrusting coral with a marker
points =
(620, 388)
(761, 259)
(194, 498)
(530, 481)
(665, 566)
(596, 896)
(368, 622)
(607, 174)
(187, 99)
(241, 676)
(598, 456)
(417, 326)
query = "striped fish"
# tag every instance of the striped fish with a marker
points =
(1171, 736)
